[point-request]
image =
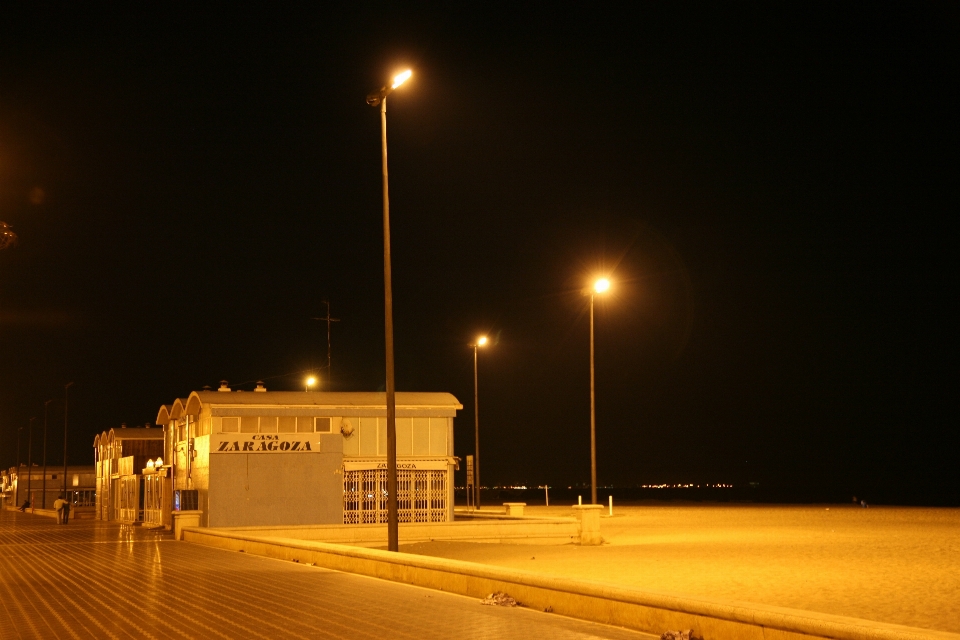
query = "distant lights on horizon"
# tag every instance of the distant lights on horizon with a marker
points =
(610, 487)
(686, 486)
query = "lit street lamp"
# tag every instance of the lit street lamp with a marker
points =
(481, 341)
(600, 286)
(379, 98)
(310, 382)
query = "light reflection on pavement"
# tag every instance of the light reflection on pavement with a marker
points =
(91, 579)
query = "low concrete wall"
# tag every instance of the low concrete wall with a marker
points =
(488, 514)
(599, 602)
(83, 513)
(503, 529)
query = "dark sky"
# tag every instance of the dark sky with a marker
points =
(770, 188)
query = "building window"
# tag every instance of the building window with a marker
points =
(276, 424)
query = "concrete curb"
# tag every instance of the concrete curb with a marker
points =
(599, 602)
(517, 530)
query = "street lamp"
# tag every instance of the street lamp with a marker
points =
(600, 286)
(481, 341)
(379, 98)
(30, 461)
(46, 405)
(310, 382)
(66, 398)
(19, 431)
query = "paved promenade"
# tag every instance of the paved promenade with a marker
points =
(95, 580)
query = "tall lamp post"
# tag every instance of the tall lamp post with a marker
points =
(600, 286)
(46, 405)
(19, 431)
(30, 462)
(66, 398)
(481, 341)
(379, 98)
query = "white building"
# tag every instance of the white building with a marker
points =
(291, 457)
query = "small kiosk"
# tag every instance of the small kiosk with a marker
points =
(308, 457)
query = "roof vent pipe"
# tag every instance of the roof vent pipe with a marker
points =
(260, 386)
(223, 387)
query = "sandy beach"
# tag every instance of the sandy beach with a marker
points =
(891, 564)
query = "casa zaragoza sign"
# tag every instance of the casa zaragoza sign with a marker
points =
(264, 443)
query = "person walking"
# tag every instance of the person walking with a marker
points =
(66, 511)
(58, 505)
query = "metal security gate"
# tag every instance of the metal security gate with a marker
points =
(130, 503)
(153, 499)
(421, 496)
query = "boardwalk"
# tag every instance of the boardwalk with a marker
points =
(96, 580)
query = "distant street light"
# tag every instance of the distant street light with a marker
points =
(600, 286)
(46, 405)
(19, 431)
(66, 398)
(379, 98)
(481, 341)
(310, 382)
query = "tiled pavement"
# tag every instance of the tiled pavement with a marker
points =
(97, 580)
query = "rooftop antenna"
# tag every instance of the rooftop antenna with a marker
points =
(328, 320)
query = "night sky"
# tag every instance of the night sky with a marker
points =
(770, 188)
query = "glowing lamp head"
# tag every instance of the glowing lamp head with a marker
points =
(149, 464)
(601, 285)
(158, 463)
(482, 340)
(311, 381)
(400, 78)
